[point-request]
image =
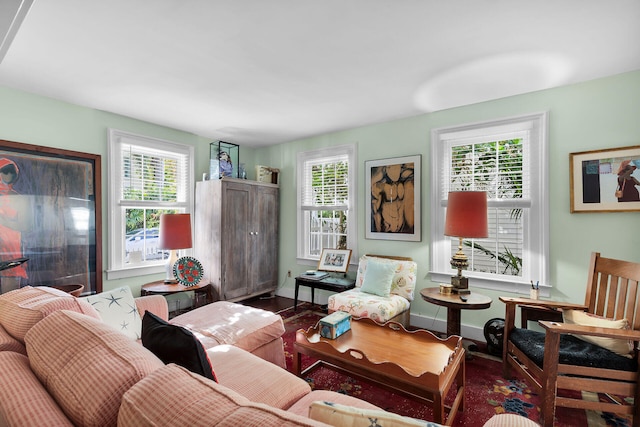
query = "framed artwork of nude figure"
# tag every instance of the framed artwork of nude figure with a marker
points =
(393, 198)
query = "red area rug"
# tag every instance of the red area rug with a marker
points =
(486, 392)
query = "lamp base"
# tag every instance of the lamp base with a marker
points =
(460, 285)
(170, 278)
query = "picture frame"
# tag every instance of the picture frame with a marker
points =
(392, 199)
(335, 260)
(55, 197)
(595, 176)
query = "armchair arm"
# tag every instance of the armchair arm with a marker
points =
(542, 303)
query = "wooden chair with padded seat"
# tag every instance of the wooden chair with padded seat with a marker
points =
(394, 307)
(553, 360)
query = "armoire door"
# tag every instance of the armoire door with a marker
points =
(236, 226)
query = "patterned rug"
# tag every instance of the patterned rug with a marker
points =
(486, 392)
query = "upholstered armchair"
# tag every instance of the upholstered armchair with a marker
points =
(384, 290)
(595, 349)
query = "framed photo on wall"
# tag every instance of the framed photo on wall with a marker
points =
(605, 180)
(392, 199)
(336, 260)
(50, 214)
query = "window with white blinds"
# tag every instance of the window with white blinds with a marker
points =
(148, 177)
(326, 205)
(505, 158)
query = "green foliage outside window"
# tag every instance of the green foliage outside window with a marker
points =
(494, 167)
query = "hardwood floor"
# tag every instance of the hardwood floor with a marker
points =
(269, 303)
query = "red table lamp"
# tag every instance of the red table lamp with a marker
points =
(466, 218)
(175, 233)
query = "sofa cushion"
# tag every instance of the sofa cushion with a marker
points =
(22, 308)
(9, 343)
(174, 396)
(577, 317)
(348, 416)
(175, 344)
(25, 402)
(255, 378)
(378, 277)
(86, 365)
(118, 309)
(218, 323)
(404, 279)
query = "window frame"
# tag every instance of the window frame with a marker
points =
(117, 268)
(352, 216)
(535, 219)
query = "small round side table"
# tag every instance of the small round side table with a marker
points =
(455, 305)
(160, 288)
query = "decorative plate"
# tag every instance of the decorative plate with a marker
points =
(188, 271)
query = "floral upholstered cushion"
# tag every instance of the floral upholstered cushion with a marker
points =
(362, 304)
(404, 279)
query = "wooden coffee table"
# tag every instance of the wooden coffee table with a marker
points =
(416, 364)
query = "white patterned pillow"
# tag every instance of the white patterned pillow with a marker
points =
(117, 308)
(404, 279)
(348, 416)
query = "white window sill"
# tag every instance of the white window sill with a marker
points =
(520, 288)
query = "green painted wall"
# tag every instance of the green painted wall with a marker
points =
(593, 115)
(598, 114)
(44, 121)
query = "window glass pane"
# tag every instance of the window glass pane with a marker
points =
(494, 167)
(327, 229)
(501, 252)
(149, 177)
(326, 215)
(143, 234)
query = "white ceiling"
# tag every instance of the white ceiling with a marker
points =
(259, 72)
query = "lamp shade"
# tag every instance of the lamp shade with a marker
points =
(467, 214)
(175, 231)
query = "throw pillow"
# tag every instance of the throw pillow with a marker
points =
(377, 278)
(619, 346)
(404, 279)
(348, 416)
(175, 344)
(117, 308)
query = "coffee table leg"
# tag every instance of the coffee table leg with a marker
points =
(438, 408)
(297, 362)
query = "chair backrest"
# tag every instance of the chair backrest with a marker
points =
(612, 289)
(404, 280)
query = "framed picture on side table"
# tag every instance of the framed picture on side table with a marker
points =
(334, 260)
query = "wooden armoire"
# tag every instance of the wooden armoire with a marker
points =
(236, 236)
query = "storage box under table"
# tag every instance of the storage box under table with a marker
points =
(335, 324)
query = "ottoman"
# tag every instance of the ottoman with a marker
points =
(254, 330)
